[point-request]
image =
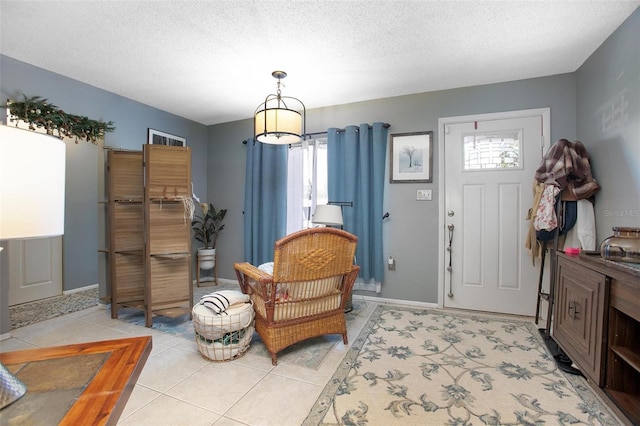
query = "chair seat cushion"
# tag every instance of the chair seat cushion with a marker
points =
(292, 309)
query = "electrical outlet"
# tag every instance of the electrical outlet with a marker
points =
(424, 195)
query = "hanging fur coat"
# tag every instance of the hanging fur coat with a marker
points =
(566, 165)
(565, 168)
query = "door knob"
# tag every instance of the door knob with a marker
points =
(450, 213)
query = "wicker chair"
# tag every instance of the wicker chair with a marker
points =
(313, 275)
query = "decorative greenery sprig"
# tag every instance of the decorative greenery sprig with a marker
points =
(39, 113)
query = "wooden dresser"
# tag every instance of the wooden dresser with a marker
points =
(597, 323)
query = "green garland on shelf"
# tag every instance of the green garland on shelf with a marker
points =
(39, 113)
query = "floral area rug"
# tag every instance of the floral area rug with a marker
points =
(309, 353)
(432, 367)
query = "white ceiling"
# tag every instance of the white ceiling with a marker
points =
(211, 61)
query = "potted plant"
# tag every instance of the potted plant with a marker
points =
(206, 229)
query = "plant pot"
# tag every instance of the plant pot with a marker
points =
(206, 259)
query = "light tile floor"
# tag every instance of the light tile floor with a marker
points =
(178, 386)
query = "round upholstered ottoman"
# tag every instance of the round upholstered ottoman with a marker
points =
(226, 335)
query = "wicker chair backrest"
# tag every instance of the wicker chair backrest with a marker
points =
(313, 254)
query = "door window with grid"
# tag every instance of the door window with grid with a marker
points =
(497, 150)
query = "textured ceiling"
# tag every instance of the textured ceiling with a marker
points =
(211, 61)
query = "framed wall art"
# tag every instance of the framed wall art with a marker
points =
(157, 137)
(411, 157)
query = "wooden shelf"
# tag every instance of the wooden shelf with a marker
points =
(172, 312)
(138, 304)
(629, 402)
(628, 356)
(130, 252)
(128, 201)
(168, 199)
(172, 256)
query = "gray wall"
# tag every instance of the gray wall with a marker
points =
(599, 104)
(84, 230)
(608, 111)
(411, 232)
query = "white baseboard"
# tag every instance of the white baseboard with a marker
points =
(396, 301)
(77, 290)
(220, 281)
(5, 336)
(375, 287)
(364, 287)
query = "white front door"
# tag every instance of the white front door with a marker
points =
(35, 269)
(489, 168)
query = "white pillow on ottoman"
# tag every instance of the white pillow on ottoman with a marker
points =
(220, 300)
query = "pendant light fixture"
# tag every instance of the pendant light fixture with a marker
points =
(276, 122)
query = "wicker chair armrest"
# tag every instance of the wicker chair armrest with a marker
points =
(258, 284)
(252, 279)
(349, 279)
(253, 272)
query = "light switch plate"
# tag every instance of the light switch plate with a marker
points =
(424, 195)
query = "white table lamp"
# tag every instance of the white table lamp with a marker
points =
(32, 172)
(327, 214)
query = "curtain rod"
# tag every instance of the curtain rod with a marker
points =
(385, 125)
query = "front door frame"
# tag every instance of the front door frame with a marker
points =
(545, 113)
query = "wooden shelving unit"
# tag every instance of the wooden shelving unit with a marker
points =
(125, 225)
(623, 377)
(149, 233)
(167, 171)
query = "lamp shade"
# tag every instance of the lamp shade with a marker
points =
(32, 172)
(327, 215)
(275, 122)
(279, 126)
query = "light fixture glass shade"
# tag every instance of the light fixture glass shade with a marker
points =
(328, 215)
(278, 126)
(32, 173)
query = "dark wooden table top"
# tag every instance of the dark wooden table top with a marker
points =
(84, 383)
